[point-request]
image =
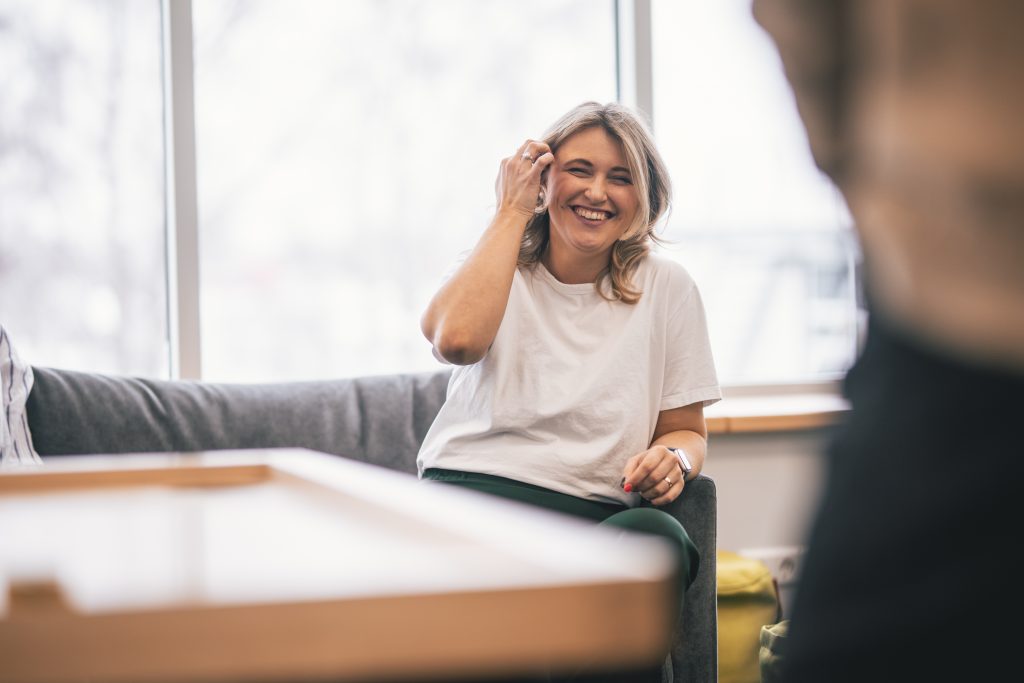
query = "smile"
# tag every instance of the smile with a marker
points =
(592, 214)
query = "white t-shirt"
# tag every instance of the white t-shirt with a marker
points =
(572, 385)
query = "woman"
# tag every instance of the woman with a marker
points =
(583, 360)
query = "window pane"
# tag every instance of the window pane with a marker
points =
(81, 177)
(347, 152)
(765, 234)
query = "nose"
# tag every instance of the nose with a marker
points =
(595, 191)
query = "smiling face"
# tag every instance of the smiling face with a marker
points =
(592, 201)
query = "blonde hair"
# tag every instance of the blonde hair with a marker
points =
(650, 178)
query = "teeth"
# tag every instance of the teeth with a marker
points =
(591, 215)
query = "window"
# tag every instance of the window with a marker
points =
(764, 233)
(82, 274)
(346, 153)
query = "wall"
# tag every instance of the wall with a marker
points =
(768, 489)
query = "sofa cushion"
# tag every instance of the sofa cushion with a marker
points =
(380, 419)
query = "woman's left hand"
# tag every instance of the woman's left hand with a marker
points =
(655, 474)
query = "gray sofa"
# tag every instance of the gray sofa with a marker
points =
(380, 420)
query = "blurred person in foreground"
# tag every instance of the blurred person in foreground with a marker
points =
(583, 359)
(914, 108)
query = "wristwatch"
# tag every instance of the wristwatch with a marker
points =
(684, 462)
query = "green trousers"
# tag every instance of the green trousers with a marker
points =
(648, 520)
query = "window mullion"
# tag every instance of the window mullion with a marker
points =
(633, 42)
(181, 193)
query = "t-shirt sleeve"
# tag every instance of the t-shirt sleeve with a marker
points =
(690, 374)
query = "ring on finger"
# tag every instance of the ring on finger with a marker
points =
(668, 480)
(526, 155)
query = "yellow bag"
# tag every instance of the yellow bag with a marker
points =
(747, 600)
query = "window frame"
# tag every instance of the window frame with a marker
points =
(181, 199)
(634, 87)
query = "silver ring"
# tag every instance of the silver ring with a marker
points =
(669, 481)
(526, 155)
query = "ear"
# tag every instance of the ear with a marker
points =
(542, 201)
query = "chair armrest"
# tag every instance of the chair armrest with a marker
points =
(695, 645)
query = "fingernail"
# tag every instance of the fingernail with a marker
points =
(627, 488)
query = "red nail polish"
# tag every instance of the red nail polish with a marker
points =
(628, 487)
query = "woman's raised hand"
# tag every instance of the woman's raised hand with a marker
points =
(518, 184)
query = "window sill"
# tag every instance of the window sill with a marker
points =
(775, 413)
